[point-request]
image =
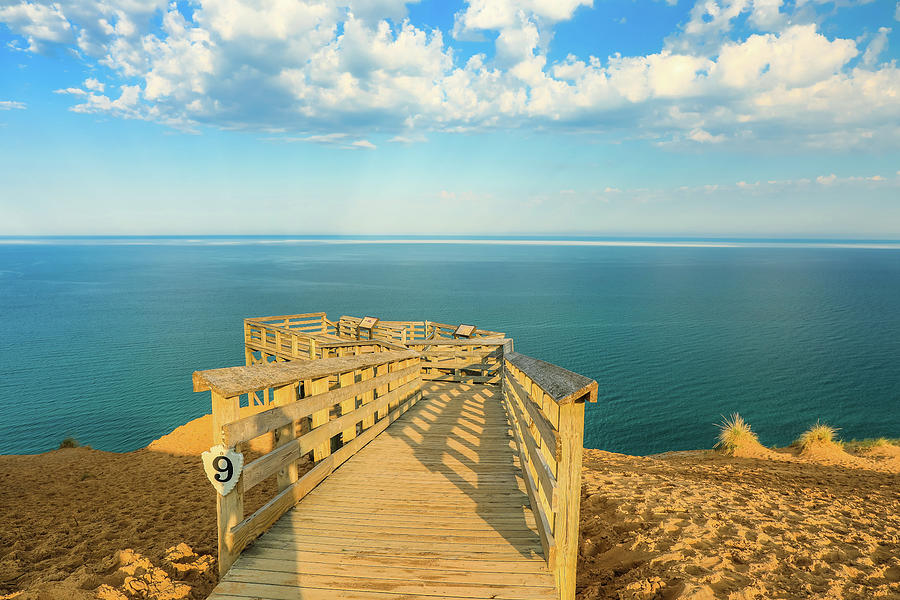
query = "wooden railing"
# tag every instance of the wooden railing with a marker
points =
(406, 332)
(303, 337)
(284, 337)
(309, 336)
(477, 360)
(546, 408)
(443, 330)
(324, 409)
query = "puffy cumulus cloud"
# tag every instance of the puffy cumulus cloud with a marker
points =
(38, 23)
(500, 14)
(332, 70)
(797, 57)
(11, 105)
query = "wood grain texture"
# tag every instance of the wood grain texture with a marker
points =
(433, 507)
(233, 381)
(562, 385)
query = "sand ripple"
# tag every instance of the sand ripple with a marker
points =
(701, 526)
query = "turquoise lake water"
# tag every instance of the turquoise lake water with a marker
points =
(98, 338)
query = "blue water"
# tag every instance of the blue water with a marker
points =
(98, 337)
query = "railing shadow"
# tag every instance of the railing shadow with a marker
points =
(467, 427)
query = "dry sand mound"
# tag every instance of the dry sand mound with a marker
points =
(195, 436)
(702, 525)
(78, 522)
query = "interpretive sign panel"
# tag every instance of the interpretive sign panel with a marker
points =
(464, 331)
(368, 322)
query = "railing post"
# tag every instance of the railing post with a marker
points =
(286, 394)
(248, 354)
(312, 348)
(571, 432)
(229, 508)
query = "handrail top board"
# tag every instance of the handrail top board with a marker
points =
(486, 341)
(282, 317)
(562, 385)
(234, 381)
(366, 342)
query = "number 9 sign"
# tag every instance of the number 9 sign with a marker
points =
(223, 467)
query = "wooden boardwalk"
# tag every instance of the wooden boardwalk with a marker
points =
(433, 507)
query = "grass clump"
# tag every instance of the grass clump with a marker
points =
(69, 442)
(819, 434)
(870, 443)
(734, 433)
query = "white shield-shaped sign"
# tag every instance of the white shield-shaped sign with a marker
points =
(223, 467)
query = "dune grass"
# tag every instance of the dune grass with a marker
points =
(734, 433)
(869, 443)
(818, 435)
(69, 442)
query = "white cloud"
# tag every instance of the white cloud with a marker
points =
(38, 23)
(326, 68)
(11, 105)
(876, 47)
(705, 137)
(93, 85)
(826, 179)
(797, 57)
(408, 139)
(500, 14)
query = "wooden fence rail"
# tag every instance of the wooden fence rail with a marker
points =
(477, 360)
(324, 409)
(546, 408)
(331, 390)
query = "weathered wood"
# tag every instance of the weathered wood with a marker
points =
(415, 511)
(264, 466)
(244, 532)
(562, 385)
(233, 381)
(549, 435)
(348, 408)
(571, 430)
(319, 387)
(283, 435)
(386, 559)
(542, 469)
(485, 341)
(372, 568)
(252, 426)
(229, 508)
(544, 526)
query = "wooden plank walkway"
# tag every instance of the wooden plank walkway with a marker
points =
(434, 507)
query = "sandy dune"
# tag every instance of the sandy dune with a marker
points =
(701, 525)
(80, 523)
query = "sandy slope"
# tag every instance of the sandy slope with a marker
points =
(702, 525)
(79, 523)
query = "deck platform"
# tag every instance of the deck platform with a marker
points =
(433, 507)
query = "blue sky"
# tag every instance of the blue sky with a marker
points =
(734, 118)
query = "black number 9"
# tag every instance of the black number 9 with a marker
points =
(225, 468)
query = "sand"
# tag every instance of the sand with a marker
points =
(701, 525)
(80, 523)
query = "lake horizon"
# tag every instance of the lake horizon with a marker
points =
(677, 332)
